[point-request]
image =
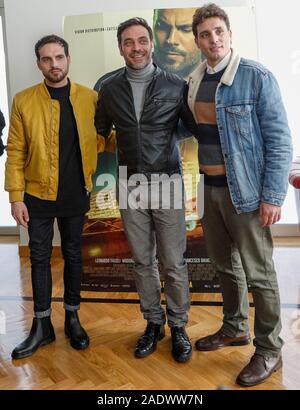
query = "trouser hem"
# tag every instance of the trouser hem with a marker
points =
(228, 330)
(45, 313)
(267, 353)
(71, 308)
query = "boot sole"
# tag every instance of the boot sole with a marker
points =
(245, 384)
(183, 359)
(43, 343)
(141, 356)
(211, 349)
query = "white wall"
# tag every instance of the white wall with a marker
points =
(27, 21)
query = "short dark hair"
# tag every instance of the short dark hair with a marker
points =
(135, 21)
(52, 38)
(207, 11)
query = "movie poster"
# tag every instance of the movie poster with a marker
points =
(108, 265)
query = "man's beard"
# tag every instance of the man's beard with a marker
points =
(56, 78)
(139, 66)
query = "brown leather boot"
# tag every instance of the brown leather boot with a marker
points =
(219, 340)
(258, 369)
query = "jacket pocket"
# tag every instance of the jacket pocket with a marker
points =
(160, 101)
(245, 176)
(241, 110)
(240, 118)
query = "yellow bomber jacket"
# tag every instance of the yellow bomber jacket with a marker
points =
(33, 141)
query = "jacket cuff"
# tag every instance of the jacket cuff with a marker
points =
(15, 196)
(273, 198)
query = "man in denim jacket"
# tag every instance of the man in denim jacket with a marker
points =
(245, 155)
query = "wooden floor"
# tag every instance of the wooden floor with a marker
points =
(114, 328)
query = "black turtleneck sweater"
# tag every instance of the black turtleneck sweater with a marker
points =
(72, 197)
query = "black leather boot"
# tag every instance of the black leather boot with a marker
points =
(181, 345)
(41, 334)
(78, 337)
(146, 344)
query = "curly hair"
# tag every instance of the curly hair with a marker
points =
(207, 11)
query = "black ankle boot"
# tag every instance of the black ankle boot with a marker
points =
(41, 334)
(181, 345)
(147, 342)
(78, 337)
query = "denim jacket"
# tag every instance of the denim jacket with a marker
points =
(254, 132)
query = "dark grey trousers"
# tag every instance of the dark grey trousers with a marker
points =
(162, 232)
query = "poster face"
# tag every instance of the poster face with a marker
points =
(94, 56)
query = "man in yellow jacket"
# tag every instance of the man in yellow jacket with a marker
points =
(51, 157)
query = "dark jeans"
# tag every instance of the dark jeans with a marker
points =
(40, 243)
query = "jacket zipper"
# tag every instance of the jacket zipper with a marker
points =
(50, 146)
(139, 151)
(141, 116)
